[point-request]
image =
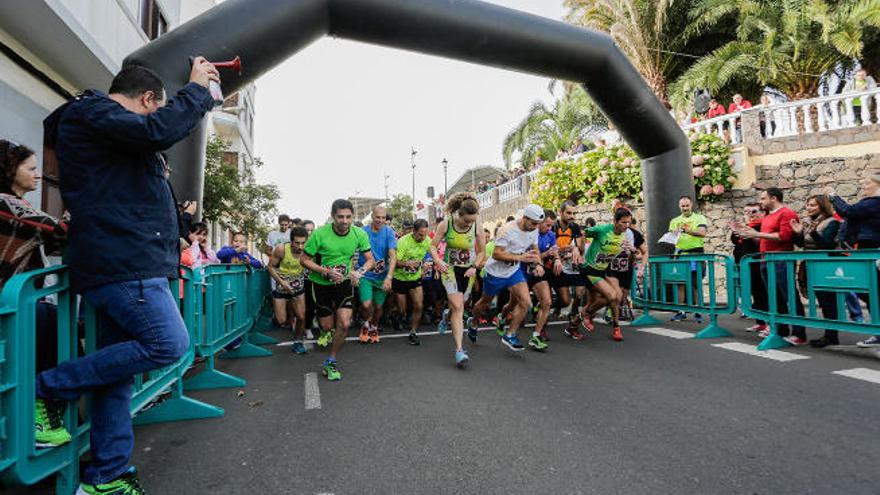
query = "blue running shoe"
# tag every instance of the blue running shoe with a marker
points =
(461, 358)
(698, 318)
(679, 316)
(443, 326)
(298, 348)
(472, 329)
(512, 342)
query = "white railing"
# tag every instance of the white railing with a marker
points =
(825, 113)
(485, 199)
(511, 189)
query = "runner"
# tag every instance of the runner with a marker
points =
(516, 246)
(570, 240)
(620, 272)
(327, 255)
(541, 285)
(464, 254)
(288, 298)
(411, 251)
(377, 282)
(609, 240)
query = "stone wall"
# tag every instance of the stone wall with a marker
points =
(798, 179)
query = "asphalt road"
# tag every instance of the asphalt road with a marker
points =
(650, 415)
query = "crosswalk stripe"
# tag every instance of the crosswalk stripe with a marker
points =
(753, 351)
(865, 374)
(675, 334)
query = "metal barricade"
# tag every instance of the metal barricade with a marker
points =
(259, 300)
(20, 461)
(830, 275)
(222, 317)
(663, 277)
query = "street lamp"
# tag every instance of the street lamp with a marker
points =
(412, 158)
(445, 185)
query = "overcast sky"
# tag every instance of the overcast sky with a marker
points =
(337, 117)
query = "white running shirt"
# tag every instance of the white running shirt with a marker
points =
(514, 241)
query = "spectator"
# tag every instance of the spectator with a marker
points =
(123, 248)
(715, 109)
(742, 247)
(818, 231)
(579, 146)
(24, 232)
(767, 116)
(863, 225)
(185, 213)
(739, 104)
(199, 252)
(310, 226)
(237, 254)
(691, 229)
(776, 235)
(860, 82)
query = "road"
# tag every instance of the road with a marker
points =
(651, 415)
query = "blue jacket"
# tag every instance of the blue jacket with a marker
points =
(862, 218)
(124, 223)
(227, 254)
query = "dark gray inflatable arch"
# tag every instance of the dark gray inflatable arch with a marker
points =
(267, 32)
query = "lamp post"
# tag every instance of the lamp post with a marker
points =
(412, 158)
(445, 185)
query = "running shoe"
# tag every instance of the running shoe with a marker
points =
(325, 338)
(870, 342)
(374, 335)
(679, 316)
(572, 331)
(499, 323)
(537, 343)
(461, 358)
(471, 329)
(329, 370)
(756, 328)
(443, 326)
(364, 337)
(512, 342)
(795, 341)
(235, 344)
(127, 484)
(543, 335)
(49, 428)
(413, 339)
(698, 318)
(617, 334)
(608, 317)
(587, 320)
(298, 348)
(764, 333)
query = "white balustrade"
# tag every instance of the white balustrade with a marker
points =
(485, 199)
(796, 117)
(511, 189)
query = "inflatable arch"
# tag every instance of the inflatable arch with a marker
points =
(266, 32)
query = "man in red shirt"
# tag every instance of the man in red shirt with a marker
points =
(777, 235)
(739, 103)
(715, 109)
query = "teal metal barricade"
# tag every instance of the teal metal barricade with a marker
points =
(20, 461)
(827, 274)
(665, 275)
(259, 299)
(222, 317)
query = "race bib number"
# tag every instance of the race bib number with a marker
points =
(412, 269)
(459, 256)
(428, 266)
(379, 267)
(620, 264)
(340, 269)
(295, 283)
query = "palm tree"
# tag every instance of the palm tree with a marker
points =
(648, 32)
(544, 131)
(788, 45)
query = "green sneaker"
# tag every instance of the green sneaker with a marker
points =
(325, 338)
(537, 343)
(499, 322)
(49, 429)
(127, 484)
(329, 370)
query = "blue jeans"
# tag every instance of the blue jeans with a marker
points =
(140, 329)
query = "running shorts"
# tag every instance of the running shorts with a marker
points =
(454, 280)
(299, 288)
(493, 285)
(330, 298)
(592, 276)
(371, 290)
(566, 280)
(404, 286)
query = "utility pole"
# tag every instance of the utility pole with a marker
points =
(386, 188)
(445, 185)
(412, 158)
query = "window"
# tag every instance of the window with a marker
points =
(153, 22)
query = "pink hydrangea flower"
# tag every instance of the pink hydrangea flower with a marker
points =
(699, 172)
(706, 190)
(697, 160)
(718, 189)
(603, 162)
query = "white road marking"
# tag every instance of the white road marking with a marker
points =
(865, 374)
(313, 394)
(675, 334)
(753, 351)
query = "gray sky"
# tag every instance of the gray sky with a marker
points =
(336, 118)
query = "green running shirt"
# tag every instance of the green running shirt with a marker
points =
(605, 247)
(410, 250)
(335, 251)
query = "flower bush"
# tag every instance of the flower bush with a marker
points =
(604, 174)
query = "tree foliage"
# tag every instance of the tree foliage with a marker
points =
(400, 209)
(233, 197)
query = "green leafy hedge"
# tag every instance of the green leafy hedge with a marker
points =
(604, 174)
